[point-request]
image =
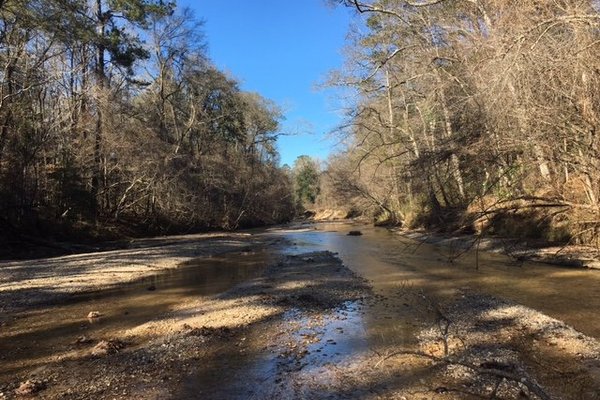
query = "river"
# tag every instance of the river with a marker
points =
(389, 260)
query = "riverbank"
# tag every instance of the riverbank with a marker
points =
(297, 321)
(50, 280)
(519, 249)
(213, 337)
(21, 246)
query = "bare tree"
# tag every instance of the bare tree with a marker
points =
(476, 102)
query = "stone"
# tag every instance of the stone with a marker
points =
(106, 347)
(82, 340)
(30, 387)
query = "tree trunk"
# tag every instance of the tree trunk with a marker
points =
(454, 161)
(100, 73)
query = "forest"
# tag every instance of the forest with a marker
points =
(472, 116)
(113, 120)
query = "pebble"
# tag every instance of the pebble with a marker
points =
(106, 347)
(30, 387)
(82, 340)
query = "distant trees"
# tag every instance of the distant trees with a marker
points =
(471, 109)
(111, 112)
(306, 174)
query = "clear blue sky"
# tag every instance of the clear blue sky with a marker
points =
(281, 49)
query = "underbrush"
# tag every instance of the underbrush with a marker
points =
(530, 224)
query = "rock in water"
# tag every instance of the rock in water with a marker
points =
(355, 233)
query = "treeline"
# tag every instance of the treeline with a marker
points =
(112, 114)
(474, 115)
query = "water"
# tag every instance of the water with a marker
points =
(391, 262)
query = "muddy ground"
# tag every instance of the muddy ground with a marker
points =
(305, 327)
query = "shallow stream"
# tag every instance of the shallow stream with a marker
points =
(391, 263)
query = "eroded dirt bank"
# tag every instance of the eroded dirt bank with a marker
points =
(300, 325)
